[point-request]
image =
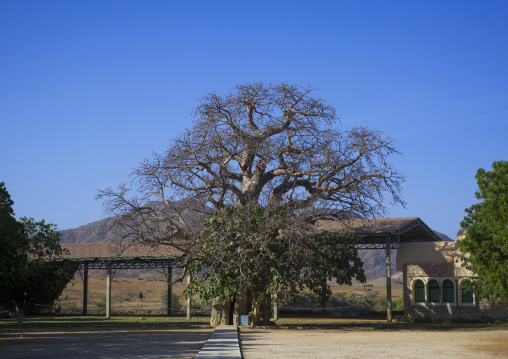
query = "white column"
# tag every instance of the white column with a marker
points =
(388, 281)
(189, 300)
(108, 291)
(170, 289)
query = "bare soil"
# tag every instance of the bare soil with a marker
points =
(315, 343)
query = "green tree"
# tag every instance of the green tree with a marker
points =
(27, 278)
(257, 259)
(13, 247)
(273, 151)
(487, 234)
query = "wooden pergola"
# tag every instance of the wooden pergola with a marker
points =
(112, 256)
(379, 233)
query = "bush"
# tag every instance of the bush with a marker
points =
(176, 306)
(200, 306)
(402, 319)
(378, 303)
(101, 305)
(422, 319)
(346, 303)
(399, 305)
(488, 320)
(305, 300)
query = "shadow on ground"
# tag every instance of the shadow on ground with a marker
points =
(104, 344)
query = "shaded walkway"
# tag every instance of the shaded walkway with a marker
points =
(223, 343)
(104, 344)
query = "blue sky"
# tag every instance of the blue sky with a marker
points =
(90, 89)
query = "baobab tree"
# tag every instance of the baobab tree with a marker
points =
(242, 189)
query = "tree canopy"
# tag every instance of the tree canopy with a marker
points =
(13, 246)
(244, 186)
(27, 278)
(255, 255)
(487, 234)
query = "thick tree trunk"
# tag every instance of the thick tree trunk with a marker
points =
(220, 314)
(241, 308)
(261, 314)
(323, 308)
(256, 313)
(323, 301)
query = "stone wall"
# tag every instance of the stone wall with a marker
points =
(440, 310)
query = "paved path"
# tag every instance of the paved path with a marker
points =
(223, 343)
(104, 344)
(122, 343)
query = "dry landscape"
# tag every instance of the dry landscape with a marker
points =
(125, 293)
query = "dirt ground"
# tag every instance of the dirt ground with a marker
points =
(438, 344)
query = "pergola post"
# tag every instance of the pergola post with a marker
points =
(275, 307)
(108, 291)
(85, 289)
(170, 288)
(189, 299)
(388, 280)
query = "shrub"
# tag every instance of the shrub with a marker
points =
(402, 319)
(175, 301)
(422, 319)
(399, 305)
(101, 305)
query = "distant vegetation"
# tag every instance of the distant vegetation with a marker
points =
(345, 303)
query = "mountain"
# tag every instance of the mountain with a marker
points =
(89, 233)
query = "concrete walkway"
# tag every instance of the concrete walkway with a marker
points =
(223, 343)
(110, 343)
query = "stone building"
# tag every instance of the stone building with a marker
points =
(432, 274)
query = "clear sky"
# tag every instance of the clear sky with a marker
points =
(88, 89)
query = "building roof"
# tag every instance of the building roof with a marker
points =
(111, 250)
(98, 255)
(374, 231)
